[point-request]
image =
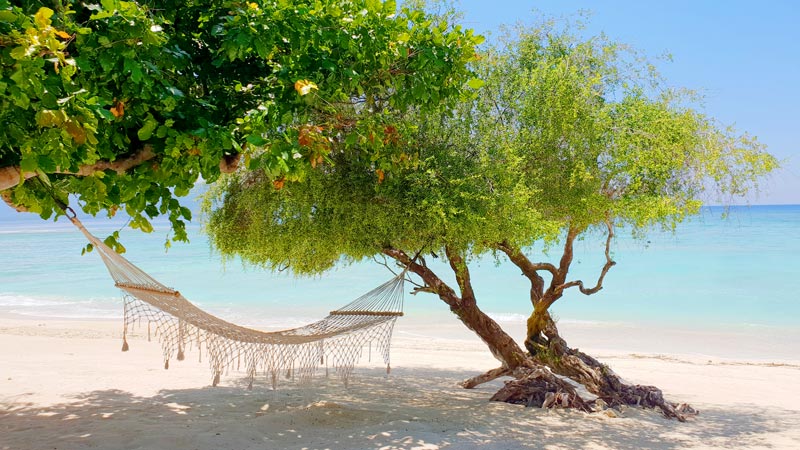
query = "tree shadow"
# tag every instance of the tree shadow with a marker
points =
(413, 408)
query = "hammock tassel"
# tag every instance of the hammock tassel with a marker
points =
(166, 364)
(125, 346)
(216, 379)
(388, 369)
(181, 339)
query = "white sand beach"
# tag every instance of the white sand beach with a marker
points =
(66, 385)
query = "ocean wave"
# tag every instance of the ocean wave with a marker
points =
(23, 300)
(61, 307)
(521, 318)
(507, 317)
(28, 230)
(259, 318)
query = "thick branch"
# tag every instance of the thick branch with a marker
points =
(608, 265)
(529, 269)
(502, 346)
(520, 260)
(485, 377)
(229, 163)
(461, 271)
(433, 283)
(566, 257)
(12, 175)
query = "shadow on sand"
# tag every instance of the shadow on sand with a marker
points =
(420, 408)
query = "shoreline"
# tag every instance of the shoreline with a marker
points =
(758, 345)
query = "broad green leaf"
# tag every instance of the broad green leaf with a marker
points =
(147, 129)
(29, 163)
(42, 17)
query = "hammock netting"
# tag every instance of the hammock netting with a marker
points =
(336, 342)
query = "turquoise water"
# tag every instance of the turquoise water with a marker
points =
(743, 271)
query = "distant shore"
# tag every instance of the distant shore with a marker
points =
(65, 384)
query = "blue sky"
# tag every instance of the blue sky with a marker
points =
(744, 56)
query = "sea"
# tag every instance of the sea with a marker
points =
(735, 268)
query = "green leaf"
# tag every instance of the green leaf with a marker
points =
(7, 16)
(42, 17)
(46, 164)
(147, 129)
(29, 163)
(475, 83)
(257, 140)
(19, 52)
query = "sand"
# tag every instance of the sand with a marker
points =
(66, 385)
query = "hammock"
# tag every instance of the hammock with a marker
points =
(336, 341)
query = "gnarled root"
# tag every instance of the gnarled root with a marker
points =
(600, 380)
(539, 387)
(652, 397)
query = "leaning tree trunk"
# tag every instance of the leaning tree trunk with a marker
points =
(541, 375)
(542, 387)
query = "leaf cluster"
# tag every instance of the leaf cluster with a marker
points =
(564, 134)
(200, 81)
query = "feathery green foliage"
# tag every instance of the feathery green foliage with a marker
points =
(563, 134)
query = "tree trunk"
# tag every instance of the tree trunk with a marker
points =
(503, 347)
(539, 375)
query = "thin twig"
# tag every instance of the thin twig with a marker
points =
(608, 265)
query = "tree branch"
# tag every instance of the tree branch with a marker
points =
(529, 269)
(433, 283)
(520, 260)
(12, 175)
(461, 271)
(229, 163)
(6, 196)
(608, 265)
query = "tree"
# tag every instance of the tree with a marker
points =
(126, 104)
(567, 139)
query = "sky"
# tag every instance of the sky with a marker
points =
(743, 56)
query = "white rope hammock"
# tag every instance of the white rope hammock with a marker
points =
(337, 341)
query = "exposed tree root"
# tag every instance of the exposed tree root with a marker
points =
(598, 378)
(485, 377)
(536, 383)
(539, 387)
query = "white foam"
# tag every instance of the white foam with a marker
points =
(507, 317)
(61, 307)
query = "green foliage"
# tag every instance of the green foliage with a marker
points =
(562, 134)
(196, 81)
